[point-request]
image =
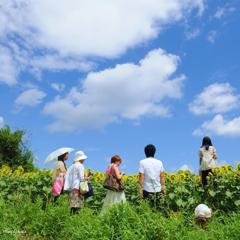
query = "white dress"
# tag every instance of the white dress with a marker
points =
(113, 197)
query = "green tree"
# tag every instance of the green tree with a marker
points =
(13, 150)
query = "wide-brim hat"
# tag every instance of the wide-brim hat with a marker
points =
(79, 155)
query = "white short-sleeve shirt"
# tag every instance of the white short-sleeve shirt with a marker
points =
(208, 158)
(151, 168)
(74, 175)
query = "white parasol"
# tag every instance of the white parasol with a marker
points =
(54, 155)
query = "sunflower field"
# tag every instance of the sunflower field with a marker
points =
(27, 212)
(184, 191)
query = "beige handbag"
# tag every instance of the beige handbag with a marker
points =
(84, 187)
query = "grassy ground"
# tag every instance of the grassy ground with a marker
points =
(22, 219)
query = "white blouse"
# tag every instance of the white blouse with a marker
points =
(74, 175)
(208, 158)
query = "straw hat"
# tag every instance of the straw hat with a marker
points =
(79, 155)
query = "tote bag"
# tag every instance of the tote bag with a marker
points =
(84, 187)
(57, 186)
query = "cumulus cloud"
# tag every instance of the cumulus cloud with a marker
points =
(127, 91)
(65, 33)
(30, 97)
(92, 27)
(1, 122)
(215, 98)
(220, 126)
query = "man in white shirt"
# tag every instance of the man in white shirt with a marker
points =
(151, 177)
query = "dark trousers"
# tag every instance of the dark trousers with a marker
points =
(204, 176)
(154, 198)
(74, 210)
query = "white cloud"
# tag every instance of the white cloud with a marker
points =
(211, 36)
(215, 98)
(220, 126)
(127, 91)
(92, 27)
(220, 13)
(2, 123)
(58, 86)
(192, 34)
(65, 33)
(223, 11)
(186, 167)
(15, 59)
(8, 69)
(55, 62)
(30, 97)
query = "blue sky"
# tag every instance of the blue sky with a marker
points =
(110, 77)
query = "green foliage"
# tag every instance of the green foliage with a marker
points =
(26, 220)
(183, 194)
(28, 213)
(13, 151)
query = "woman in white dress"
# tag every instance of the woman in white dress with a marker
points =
(208, 156)
(112, 196)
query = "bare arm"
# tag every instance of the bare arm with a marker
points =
(118, 174)
(200, 157)
(214, 154)
(162, 181)
(140, 184)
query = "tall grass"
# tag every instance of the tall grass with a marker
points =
(22, 219)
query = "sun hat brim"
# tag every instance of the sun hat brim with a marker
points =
(78, 158)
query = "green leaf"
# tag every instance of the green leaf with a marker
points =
(212, 193)
(237, 203)
(179, 202)
(228, 193)
(171, 195)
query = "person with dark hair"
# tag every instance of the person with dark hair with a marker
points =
(207, 156)
(151, 177)
(150, 150)
(58, 176)
(114, 196)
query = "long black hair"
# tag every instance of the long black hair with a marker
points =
(206, 142)
(61, 158)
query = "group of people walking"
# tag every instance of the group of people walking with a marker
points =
(151, 177)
